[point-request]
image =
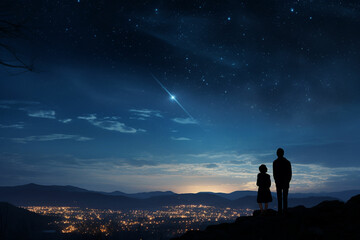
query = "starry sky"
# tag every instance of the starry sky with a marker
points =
(179, 95)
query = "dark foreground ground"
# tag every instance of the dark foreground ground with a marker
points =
(328, 220)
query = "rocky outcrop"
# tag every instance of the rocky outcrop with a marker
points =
(327, 220)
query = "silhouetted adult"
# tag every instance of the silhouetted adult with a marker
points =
(282, 174)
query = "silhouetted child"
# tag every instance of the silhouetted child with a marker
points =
(264, 183)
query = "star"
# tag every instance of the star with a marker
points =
(172, 97)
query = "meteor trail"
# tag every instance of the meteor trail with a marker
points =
(172, 96)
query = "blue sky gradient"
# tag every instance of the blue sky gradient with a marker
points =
(251, 78)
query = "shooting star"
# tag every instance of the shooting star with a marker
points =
(172, 97)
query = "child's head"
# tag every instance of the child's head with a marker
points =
(263, 168)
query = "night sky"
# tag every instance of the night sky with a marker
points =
(185, 96)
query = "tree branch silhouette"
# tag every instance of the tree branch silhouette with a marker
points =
(8, 55)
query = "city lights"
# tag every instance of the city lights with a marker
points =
(174, 220)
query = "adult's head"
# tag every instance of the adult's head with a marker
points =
(280, 152)
(263, 168)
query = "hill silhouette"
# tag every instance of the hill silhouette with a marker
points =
(38, 195)
(327, 220)
(142, 195)
(17, 223)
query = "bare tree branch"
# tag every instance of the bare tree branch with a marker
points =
(11, 30)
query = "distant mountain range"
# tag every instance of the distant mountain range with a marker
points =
(39, 195)
(142, 195)
(343, 195)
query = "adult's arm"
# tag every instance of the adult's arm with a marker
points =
(290, 171)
